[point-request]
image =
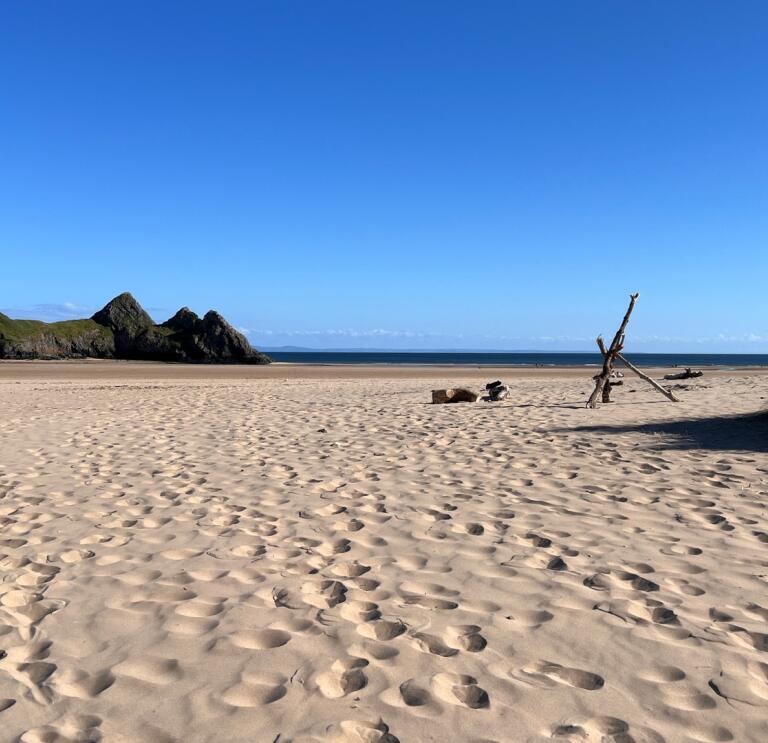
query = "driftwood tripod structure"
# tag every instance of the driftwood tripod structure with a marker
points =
(603, 380)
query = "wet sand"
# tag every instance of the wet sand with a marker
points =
(97, 369)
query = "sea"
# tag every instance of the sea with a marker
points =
(514, 358)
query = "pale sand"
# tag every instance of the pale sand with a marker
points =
(319, 559)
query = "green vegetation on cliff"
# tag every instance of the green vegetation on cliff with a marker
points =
(123, 330)
(19, 330)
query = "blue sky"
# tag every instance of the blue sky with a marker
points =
(392, 174)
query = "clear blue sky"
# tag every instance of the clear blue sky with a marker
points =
(392, 174)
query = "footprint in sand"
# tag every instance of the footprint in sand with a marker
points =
(256, 690)
(756, 640)
(603, 729)
(429, 602)
(381, 629)
(82, 685)
(351, 525)
(413, 695)
(152, 670)
(334, 547)
(637, 582)
(345, 676)
(756, 611)
(249, 550)
(328, 486)
(663, 674)
(531, 618)
(360, 611)
(460, 689)
(432, 644)
(72, 728)
(546, 674)
(76, 555)
(327, 594)
(466, 637)
(262, 639)
(181, 554)
(360, 731)
(198, 609)
(332, 509)
(352, 569)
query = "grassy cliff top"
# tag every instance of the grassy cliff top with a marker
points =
(19, 330)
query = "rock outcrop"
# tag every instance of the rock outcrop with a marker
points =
(122, 329)
(124, 315)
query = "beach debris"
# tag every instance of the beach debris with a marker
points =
(615, 380)
(667, 393)
(456, 394)
(496, 391)
(687, 374)
(603, 381)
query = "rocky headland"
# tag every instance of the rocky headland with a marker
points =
(122, 329)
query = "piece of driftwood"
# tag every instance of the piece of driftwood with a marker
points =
(607, 390)
(608, 357)
(687, 374)
(613, 379)
(457, 394)
(650, 381)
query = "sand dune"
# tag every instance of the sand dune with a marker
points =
(336, 560)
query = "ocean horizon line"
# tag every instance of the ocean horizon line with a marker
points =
(554, 352)
(512, 358)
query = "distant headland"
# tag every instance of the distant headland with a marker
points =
(122, 329)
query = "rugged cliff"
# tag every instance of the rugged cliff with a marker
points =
(122, 329)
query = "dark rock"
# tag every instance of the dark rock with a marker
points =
(458, 394)
(221, 340)
(184, 320)
(124, 330)
(124, 315)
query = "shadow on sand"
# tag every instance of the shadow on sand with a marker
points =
(736, 432)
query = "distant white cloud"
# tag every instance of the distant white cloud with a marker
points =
(346, 333)
(705, 340)
(412, 339)
(751, 342)
(49, 312)
(382, 332)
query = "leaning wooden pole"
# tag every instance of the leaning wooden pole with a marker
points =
(607, 386)
(650, 381)
(616, 346)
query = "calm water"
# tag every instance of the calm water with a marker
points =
(515, 359)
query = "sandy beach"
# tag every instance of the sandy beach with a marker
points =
(293, 554)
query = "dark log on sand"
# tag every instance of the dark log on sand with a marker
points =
(687, 374)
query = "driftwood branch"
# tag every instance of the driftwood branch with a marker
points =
(608, 384)
(687, 374)
(608, 357)
(650, 381)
